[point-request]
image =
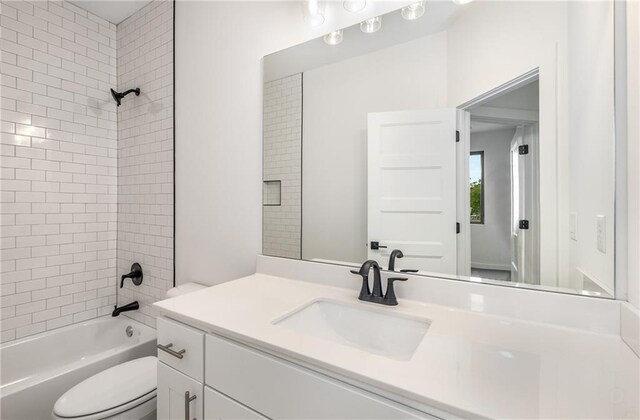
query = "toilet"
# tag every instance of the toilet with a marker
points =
(124, 392)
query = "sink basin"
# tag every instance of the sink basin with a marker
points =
(378, 331)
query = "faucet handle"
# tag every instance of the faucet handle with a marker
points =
(410, 270)
(390, 296)
(364, 290)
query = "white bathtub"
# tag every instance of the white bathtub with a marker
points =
(37, 370)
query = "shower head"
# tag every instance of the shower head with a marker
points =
(117, 96)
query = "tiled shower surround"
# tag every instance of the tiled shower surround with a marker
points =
(282, 224)
(65, 170)
(145, 155)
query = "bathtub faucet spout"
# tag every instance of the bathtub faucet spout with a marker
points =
(128, 307)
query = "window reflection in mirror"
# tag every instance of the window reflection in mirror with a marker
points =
(476, 187)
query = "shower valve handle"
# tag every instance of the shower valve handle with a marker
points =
(135, 275)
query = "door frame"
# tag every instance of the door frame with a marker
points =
(463, 149)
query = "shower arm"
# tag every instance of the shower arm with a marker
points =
(137, 91)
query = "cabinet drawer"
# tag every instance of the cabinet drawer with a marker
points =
(279, 389)
(172, 399)
(221, 407)
(181, 337)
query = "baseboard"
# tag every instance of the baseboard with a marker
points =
(630, 326)
(489, 266)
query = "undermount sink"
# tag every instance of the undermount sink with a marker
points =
(377, 331)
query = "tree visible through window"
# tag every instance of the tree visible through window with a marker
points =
(476, 187)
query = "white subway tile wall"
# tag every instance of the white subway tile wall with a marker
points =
(145, 155)
(282, 225)
(59, 166)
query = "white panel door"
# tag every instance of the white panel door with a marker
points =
(517, 209)
(412, 188)
(525, 199)
(172, 398)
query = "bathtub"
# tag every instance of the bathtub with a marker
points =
(37, 370)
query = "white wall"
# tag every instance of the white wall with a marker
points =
(145, 156)
(58, 158)
(633, 131)
(337, 99)
(218, 117)
(219, 47)
(491, 241)
(591, 137)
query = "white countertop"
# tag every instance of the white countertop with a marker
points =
(468, 364)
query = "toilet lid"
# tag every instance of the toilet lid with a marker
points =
(111, 388)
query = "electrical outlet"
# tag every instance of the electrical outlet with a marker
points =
(601, 223)
(573, 226)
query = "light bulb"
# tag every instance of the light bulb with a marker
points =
(334, 38)
(462, 1)
(312, 13)
(413, 11)
(372, 25)
(354, 6)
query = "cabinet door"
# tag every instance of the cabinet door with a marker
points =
(221, 407)
(172, 398)
(281, 390)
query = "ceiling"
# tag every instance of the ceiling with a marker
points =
(115, 11)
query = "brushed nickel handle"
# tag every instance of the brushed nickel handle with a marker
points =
(179, 354)
(187, 401)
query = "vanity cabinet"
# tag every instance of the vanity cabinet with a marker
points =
(180, 371)
(280, 389)
(218, 407)
(172, 397)
(233, 381)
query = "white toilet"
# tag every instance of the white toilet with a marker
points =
(124, 392)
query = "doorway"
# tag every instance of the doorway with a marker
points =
(500, 182)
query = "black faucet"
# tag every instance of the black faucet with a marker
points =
(396, 253)
(128, 307)
(376, 296)
(135, 275)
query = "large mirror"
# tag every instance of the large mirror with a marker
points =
(477, 139)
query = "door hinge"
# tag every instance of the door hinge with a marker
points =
(523, 224)
(523, 150)
(457, 227)
(457, 136)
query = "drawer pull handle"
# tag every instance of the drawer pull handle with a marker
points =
(187, 400)
(179, 354)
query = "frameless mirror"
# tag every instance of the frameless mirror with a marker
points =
(476, 138)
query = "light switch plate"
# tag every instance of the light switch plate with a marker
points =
(601, 223)
(573, 223)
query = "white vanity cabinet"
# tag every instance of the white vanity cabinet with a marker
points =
(279, 389)
(218, 407)
(173, 402)
(232, 381)
(180, 371)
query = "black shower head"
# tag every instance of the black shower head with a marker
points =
(118, 95)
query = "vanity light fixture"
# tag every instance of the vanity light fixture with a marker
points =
(372, 25)
(354, 6)
(334, 38)
(459, 2)
(312, 13)
(413, 11)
